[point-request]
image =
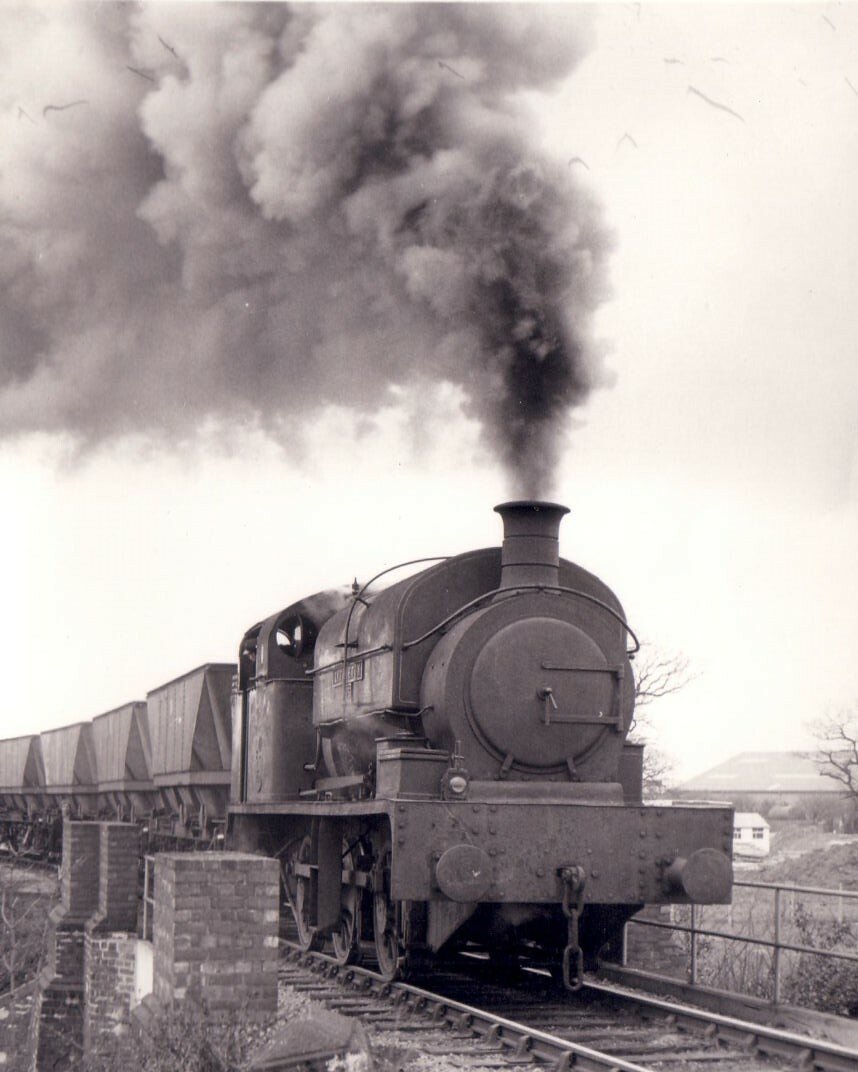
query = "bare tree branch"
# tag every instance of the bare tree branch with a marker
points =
(658, 674)
(836, 756)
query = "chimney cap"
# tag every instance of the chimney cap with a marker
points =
(533, 506)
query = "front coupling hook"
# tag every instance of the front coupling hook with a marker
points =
(573, 879)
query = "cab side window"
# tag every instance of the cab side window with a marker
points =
(247, 658)
(295, 635)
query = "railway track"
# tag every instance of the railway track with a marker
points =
(466, 1018)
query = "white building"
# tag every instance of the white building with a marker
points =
(751, 834)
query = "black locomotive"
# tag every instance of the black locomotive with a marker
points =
(444, 762)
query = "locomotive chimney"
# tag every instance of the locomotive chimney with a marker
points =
(531, 549)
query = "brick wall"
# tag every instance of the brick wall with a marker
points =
(215, 930)
(65, 956)
(655, 949)
(35, 1020)
(60, 1041)
(108, 986)
(59, 1031)
(215, 937)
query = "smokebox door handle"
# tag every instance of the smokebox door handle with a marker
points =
(546, 694)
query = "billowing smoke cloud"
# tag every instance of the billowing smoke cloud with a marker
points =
(246, 212)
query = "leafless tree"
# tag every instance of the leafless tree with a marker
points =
(658, 770)
(657, 674)
(26, 894)
(837, 748)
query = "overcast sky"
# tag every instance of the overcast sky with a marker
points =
(712, 472)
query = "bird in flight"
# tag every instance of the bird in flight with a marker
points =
(578, 160)
(62, 107)
(169, 48)
(142, 74)
(714, 103)
(627, 137)
(447, 67)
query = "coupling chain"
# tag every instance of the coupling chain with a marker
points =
(573, 879)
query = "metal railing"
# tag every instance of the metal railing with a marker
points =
(774, 939)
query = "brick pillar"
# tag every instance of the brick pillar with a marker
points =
(215, 930)
(60, 1003)
(80, 868)
(119, 867)
(111, 939)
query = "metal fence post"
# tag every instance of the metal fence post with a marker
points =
(777, 954)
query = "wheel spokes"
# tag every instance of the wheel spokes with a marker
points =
(386, 924)
(300, 900)
(346, 938)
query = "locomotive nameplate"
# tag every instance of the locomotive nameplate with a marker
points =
(353, 672)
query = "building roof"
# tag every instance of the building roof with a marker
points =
(763, 772)
(748, 818)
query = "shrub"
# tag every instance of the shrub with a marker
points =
(186, 1037)
(25, 900)
(818, 982)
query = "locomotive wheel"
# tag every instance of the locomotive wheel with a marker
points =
(298, 895)
(346, 938)
(399, 927)
(386, 923)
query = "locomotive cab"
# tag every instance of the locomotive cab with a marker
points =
(274, 741)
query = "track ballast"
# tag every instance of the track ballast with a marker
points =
(469, 1018)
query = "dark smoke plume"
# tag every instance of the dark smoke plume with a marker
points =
(295, 207)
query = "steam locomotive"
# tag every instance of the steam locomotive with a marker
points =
(436, 763)
(443, 762)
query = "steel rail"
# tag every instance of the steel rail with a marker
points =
(519, 1040)
(811, 1053)
(523, 1042)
